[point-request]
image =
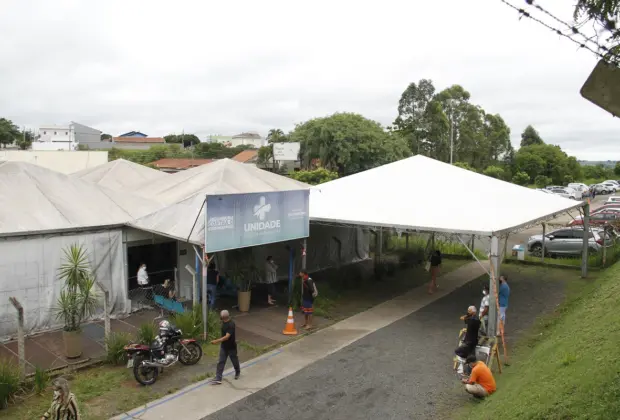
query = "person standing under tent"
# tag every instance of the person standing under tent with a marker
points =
(308, 294)
(470, 341)
(271, 274)
(143, 276)
(435, 263)
(484, 310)
(213, 279)
(503, 297)
(228, 348)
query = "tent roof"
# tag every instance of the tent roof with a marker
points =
(185, 193)
(119, 175)
(420, 193)
(35, 200)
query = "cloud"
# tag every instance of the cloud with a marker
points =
(224, 67)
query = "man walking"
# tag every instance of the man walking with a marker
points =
(503, 296)
(228, 348)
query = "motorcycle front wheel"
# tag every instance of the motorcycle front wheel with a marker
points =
(145, 375)
(190, 353)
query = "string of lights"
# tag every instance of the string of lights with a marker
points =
(575, 31)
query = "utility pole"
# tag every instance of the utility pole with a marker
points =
(451, 138)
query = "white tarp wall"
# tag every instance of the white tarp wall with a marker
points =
(29, 272)
(327, 246)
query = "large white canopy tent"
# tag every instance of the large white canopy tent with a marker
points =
(120, 175)
(41, 213)
(425, 195)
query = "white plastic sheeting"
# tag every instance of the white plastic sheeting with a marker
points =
(29, 271)
(420, 193)
(120, 175)
(34, 199)
(186, 191)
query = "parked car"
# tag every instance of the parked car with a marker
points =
(546, 191)
(613, 181)
(565, 241)
(600, 218)
(583, 188)
(611, 186)
(566, 192)
(613, 199)
(613, 208)
(602, 188)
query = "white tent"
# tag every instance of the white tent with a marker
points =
(35, 200)
(186, 191)
(120, 175)
(423, 194)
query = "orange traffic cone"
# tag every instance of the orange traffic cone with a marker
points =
(290, 329)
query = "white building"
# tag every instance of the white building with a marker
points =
(249, 138)
(65, 137)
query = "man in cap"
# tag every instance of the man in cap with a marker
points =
(228, 348)
(471, 335)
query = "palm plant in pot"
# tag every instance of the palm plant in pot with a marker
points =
(78, 299)
(243, 280)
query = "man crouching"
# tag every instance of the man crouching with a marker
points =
(481, 383)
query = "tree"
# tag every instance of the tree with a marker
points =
(521, 178)
(347, 143)
(542, 181)
(276, 135)
(314, 177)
(617, 169)
(106, 137)
(464, 165)
(25, 139)
(606, 13)
(9, 132)
(265, 155)
(415, 114)
(530, 137)
(494, 172)
(529, 162)
(187, 140)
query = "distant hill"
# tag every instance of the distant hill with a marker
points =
(608, 163)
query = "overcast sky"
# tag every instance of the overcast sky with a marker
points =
(230, 66)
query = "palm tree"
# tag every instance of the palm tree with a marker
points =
(276, 135)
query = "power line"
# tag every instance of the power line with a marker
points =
(575, 30)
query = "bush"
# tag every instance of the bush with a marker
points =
(190, 323)
(521, 178)
(9, 381)
(542, 181)
(41, 380)
(494, 172)
(116, 348)
(147, 333)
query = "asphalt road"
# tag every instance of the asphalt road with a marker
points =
(402, 371)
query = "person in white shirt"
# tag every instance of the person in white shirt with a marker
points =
(484, 309)
(143, 276)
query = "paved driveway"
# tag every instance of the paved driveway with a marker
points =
(402, 371)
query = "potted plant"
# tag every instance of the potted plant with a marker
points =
(77, 301)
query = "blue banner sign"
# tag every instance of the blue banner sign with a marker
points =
(241, 220)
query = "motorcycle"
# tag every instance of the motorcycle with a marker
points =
(167, 348)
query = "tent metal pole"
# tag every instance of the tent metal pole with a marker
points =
(586, 238)
(380, 245)
(407, 241)
(303, 254)
(495, 263)
(544, 235)
(473, 255)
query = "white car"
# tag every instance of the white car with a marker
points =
(612, 181)
(613, 199)
(578, 186)
(565, 192)
(611, 186)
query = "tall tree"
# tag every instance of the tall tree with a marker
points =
(106, 137)
(606, 13)
(276, 135)
(347, 143)
(414, 115)
(25, 139)
(9, 132)
(187, 140)
(530, 137)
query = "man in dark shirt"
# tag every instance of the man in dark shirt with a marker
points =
(471, 334)
(435, 263)
(308, 294)
(228, 348)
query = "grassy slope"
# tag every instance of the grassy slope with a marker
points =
(569, 368)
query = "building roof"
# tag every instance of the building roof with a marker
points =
(133, 134)
(138, 139)
(247, 135)
(185, 193)
(423, 194)
(246, 156)
(180, 164)
(35, 200)
(120, 175)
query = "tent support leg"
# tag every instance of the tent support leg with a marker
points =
(495, 263)
(544, 235)
(379, 245)
(586, 237)
(407, 241)
(470, 250)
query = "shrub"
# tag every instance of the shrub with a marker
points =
(494, 172)
(9, 381)
(41, 380)
(116, 348)
(521, 178)
(147, 333)
(542, 181)
(190, 323)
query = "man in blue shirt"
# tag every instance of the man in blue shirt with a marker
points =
(504, 295)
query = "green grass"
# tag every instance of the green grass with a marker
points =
(568, 367)
(418, 243)
(612, 254)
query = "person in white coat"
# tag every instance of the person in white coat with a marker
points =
(271, 276)
(143, 276)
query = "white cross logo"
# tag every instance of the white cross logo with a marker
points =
(262, 208)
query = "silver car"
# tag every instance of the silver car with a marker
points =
(566, 241)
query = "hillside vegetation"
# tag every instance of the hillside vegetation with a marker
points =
(570, 366)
